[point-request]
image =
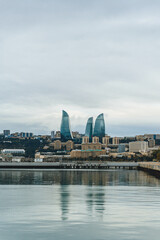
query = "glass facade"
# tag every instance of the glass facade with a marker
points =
(65, 127)
(89, 128)
(99, 128)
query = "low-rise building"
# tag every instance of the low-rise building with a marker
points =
(121, 148)
(69, 145)
(85, 140)
(26, 135)
(105, 140)
(13, 151)
(95, 140)
(91, 146)
(57, 145)
(151, 143)
(139, 146)
(139, 137)
(115, 140)
(57, 134)
(87, 153)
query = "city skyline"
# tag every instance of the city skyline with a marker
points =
(98, 56)
(92, 128)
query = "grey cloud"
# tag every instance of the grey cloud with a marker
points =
(85, 56)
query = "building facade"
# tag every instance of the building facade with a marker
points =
(115, 140)
(57, 145)
(91, 146)
(89, 128)
(105, 140)
(121, 148)
(65, 127)
(69, 145)
(85, 139)
(99, 127)
(6, 133)
(139, 146)
(87, 153)
(95, 140)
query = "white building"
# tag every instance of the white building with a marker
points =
(13, 151)
(139, 146)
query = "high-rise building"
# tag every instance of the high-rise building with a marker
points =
(6, 133)
(52, 134)
(99, 128)
(65, 127)
(89, 128)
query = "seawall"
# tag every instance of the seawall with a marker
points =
(151, 167)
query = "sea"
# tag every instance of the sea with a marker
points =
(114, 204)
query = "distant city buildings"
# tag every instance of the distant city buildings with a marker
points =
(26, 135)
(151, 143)
(66, 143)
(57, 135)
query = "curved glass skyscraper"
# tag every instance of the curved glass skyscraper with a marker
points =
(65, 127)
(89, 128)
(99, 127)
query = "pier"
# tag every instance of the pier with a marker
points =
(69, 165)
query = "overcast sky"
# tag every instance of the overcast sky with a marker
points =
(83, 56)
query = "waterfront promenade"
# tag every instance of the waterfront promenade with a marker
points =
(151, 167)
(69, 165)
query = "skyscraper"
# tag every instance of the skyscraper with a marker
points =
(89, 128)
(6, 133)
(65, 127)
(52, 134)
(99, 128)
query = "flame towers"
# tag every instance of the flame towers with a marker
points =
(89, 128)
(65, 127)
(99, 127)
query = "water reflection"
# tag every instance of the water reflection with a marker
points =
(99, 178)
(46, 205)
(64, 201)
(95, 200)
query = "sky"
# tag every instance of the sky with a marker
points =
(86, 57)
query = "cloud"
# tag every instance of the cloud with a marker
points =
(86, 57)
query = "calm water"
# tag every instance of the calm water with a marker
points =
(79, 205)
